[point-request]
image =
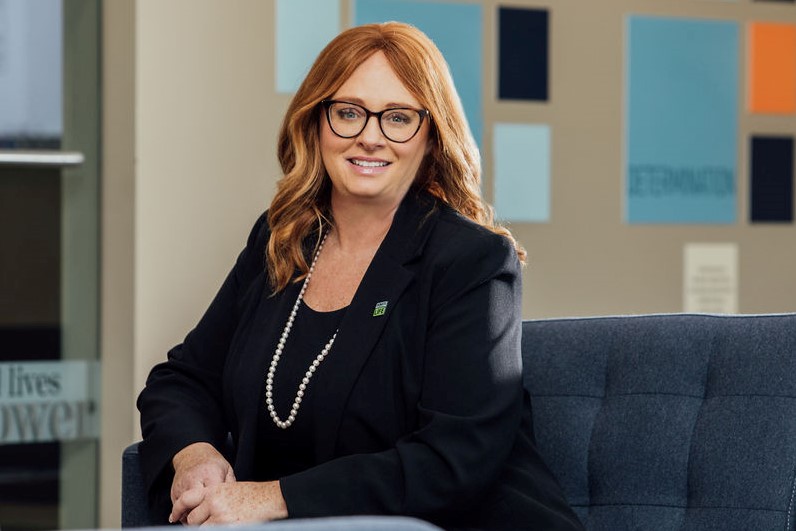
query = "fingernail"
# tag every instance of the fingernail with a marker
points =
(171, 521)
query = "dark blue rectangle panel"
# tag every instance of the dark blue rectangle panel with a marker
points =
(523, 54)
(771, 179)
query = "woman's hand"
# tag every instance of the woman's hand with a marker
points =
(228, 503)
(197, 466)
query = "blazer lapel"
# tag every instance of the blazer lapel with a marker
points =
(378, 293)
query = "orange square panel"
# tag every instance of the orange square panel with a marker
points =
(772, 68)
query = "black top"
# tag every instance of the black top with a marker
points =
(281, 452)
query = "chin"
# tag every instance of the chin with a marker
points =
(365, 191)
(369, 196)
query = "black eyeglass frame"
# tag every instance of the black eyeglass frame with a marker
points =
(423, 113)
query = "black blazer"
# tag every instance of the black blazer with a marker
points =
(420, 411)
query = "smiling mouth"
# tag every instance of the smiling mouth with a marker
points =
(368, 163)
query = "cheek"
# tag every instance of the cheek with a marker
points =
(332, 144)
(327, 138)
(425, 143)
(417, 152)
(325, 141)
(329, 154)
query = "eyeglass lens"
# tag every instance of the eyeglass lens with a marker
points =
(349, 120)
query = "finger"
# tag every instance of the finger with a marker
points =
(199, 515)
(185, 503)
(183, 484)
(230, 477)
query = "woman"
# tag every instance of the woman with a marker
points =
(364, 352)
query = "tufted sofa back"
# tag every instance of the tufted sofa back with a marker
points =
(668, 422)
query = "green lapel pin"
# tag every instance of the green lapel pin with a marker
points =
(380, 308)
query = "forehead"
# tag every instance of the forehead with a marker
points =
(375, 85)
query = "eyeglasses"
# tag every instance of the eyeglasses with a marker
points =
(348, 120)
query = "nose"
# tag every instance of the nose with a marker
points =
(371, 136)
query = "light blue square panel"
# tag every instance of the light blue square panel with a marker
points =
(456, 30)
(681, 120)
(522, 172)
(303, 28)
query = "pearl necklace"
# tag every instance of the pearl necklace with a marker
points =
(269, 381)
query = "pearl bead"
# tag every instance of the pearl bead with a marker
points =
(278, 353)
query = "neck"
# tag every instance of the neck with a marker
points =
(359, 225)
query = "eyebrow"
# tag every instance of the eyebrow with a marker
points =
(389, 105)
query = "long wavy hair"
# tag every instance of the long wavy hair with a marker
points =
(450, 171)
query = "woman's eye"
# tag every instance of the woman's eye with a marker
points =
(398, 118)
(349, 114)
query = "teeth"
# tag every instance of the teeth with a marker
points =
(368, 163)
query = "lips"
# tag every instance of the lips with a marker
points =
(368, 163)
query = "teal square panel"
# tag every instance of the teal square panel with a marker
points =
(522, 172)
(682, 120)
(303, 28)
(456, 30)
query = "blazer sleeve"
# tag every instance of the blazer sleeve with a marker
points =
(182, 400)
(470, 407)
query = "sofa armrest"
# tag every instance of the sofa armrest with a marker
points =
(135, 506)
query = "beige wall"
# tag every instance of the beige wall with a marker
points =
(205, 133)
(117, 251)
(190, 126)
(587, 261)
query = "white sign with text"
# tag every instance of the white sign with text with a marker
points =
(48, 401)
(710, 278)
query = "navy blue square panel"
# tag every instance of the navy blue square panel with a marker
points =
(772, 179)
(523, 54)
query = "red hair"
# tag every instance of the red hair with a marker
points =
(451, 171)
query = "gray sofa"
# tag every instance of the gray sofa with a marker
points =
(653, 422)
(668, 422)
